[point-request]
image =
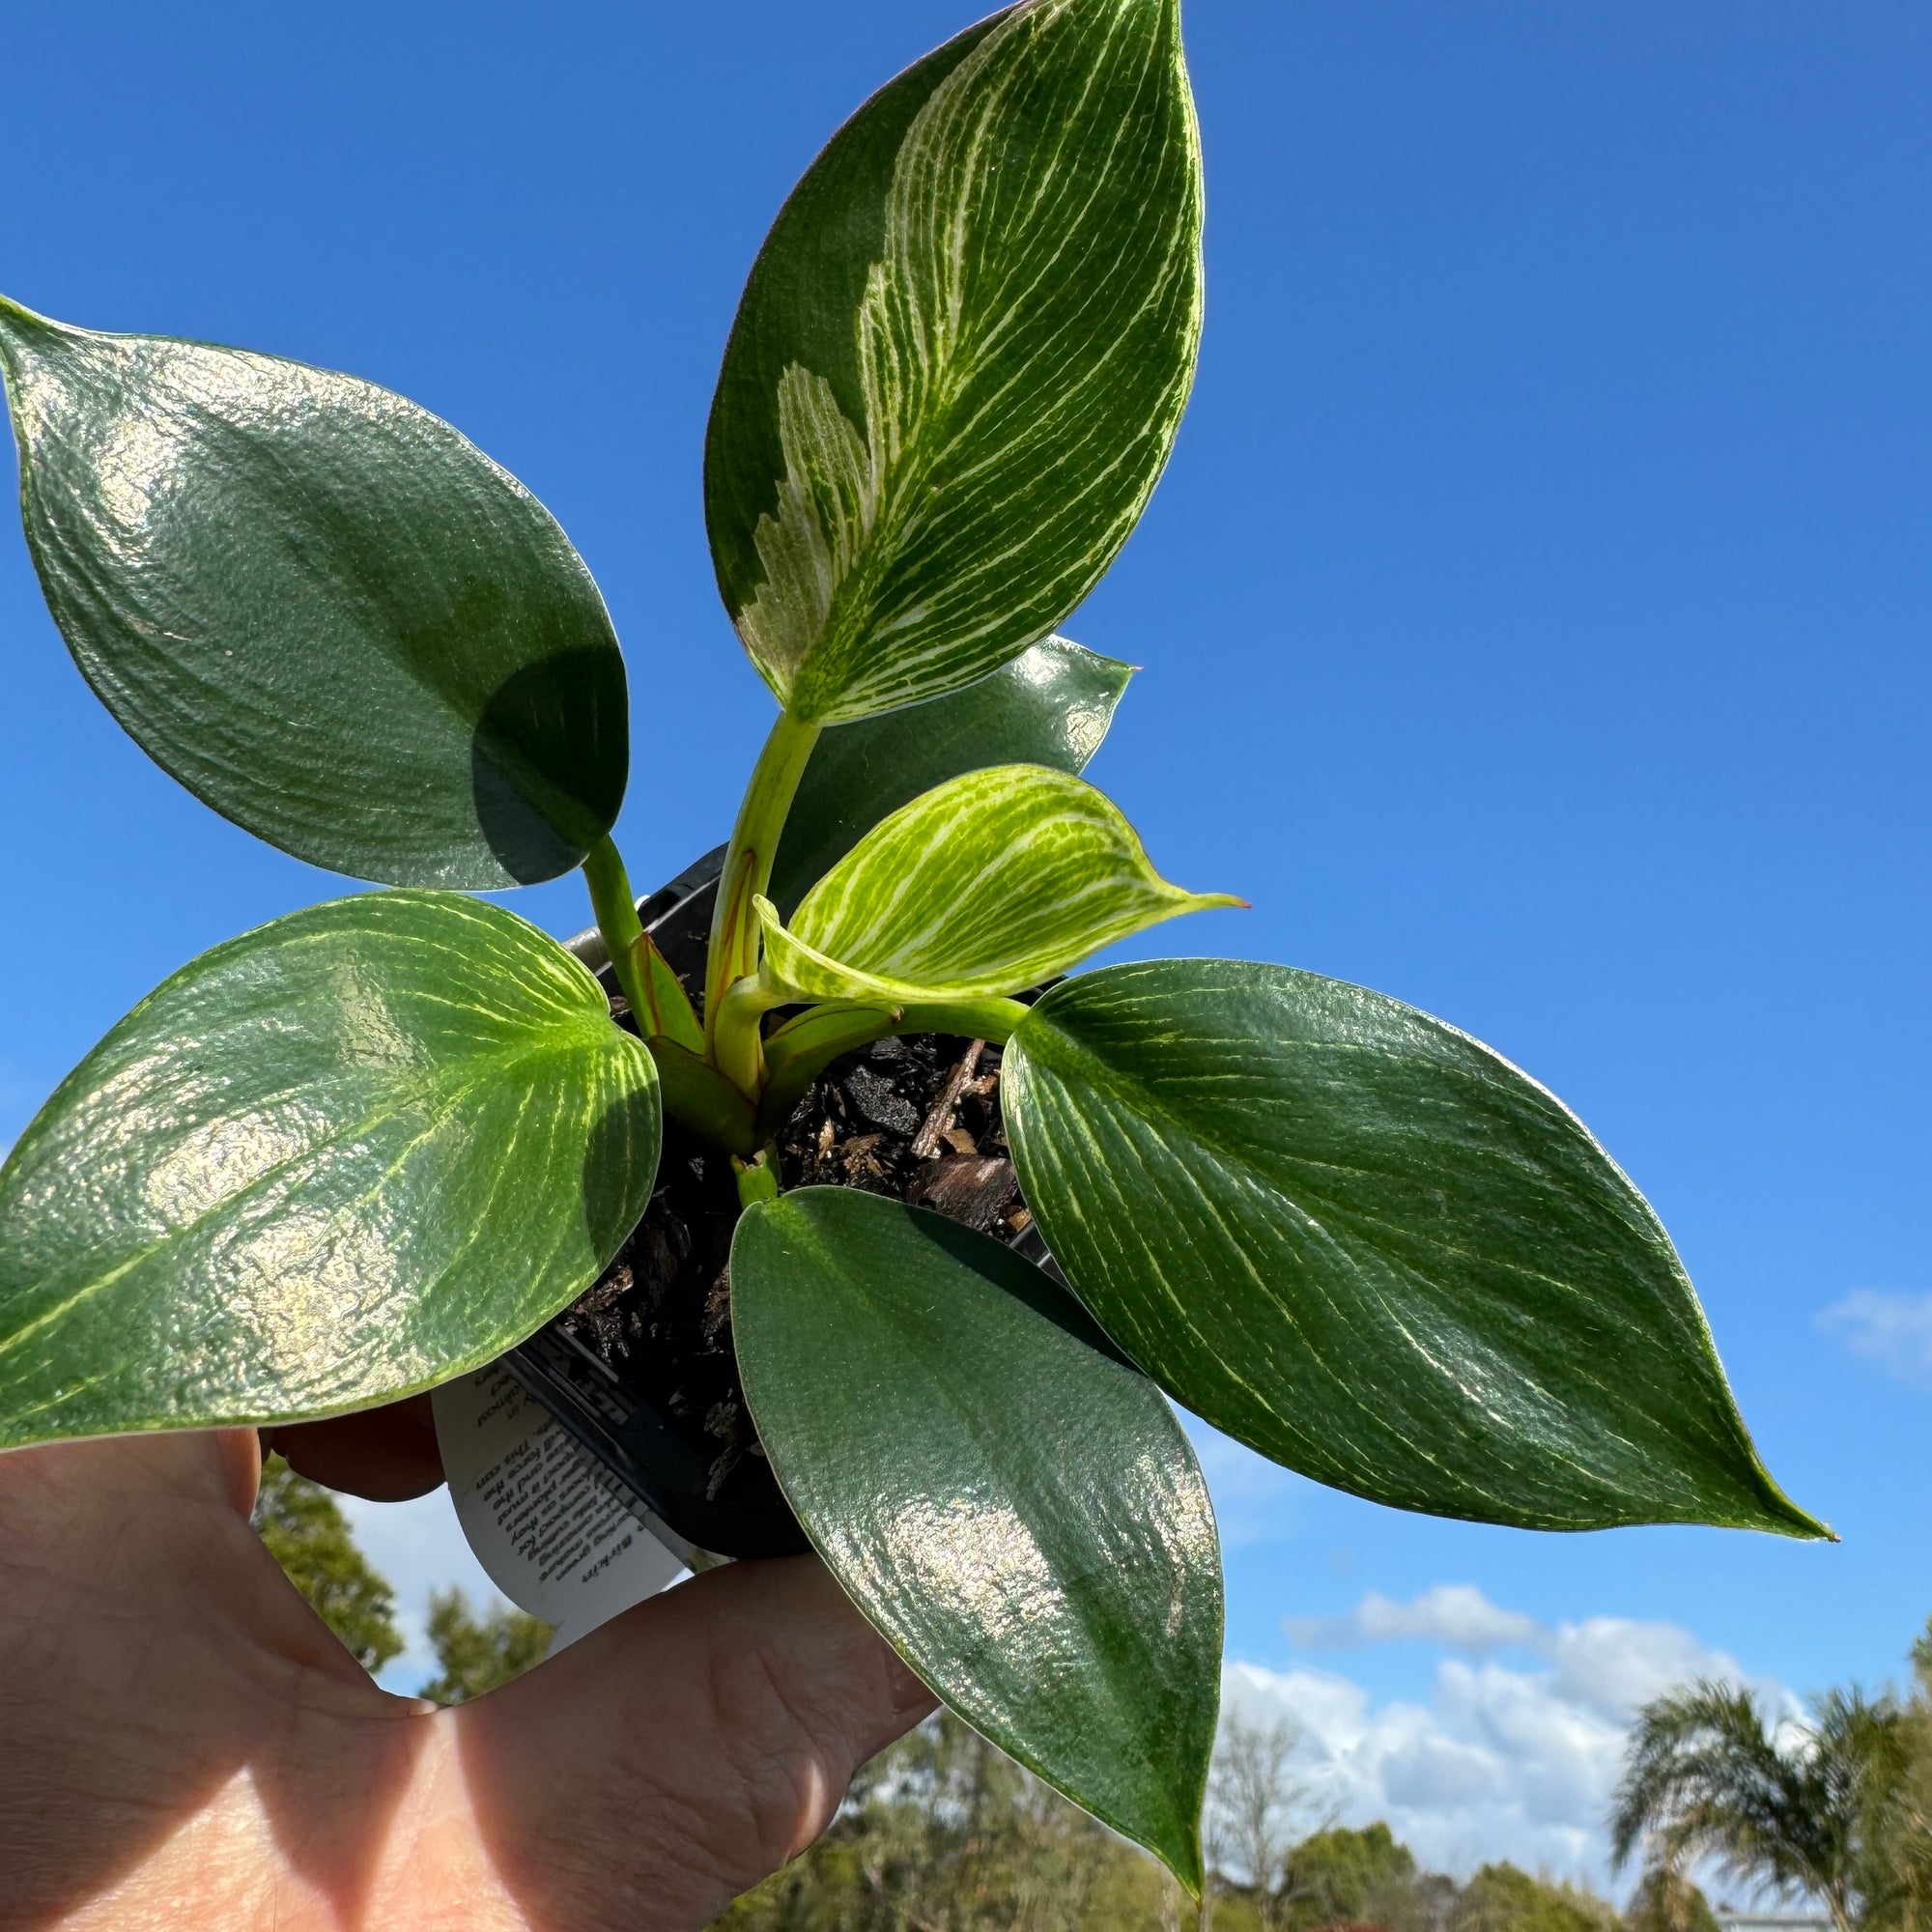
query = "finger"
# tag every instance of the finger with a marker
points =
(240, 1453)
(162, 1690)
(648, 1774)
(387, 1454)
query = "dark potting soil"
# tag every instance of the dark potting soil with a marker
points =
(916, 1119)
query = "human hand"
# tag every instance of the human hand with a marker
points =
(183, 1741)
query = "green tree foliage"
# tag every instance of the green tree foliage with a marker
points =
(307, 1534)
(1352, 1878)
(1500, 1898)
(1797, 1806)
(1897, 1874)
(479, 1652)
(1666, 1901)
(946, 1834)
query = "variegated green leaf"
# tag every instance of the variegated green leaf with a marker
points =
(1364, 1244)
(343, 1157)
(1010, 1503)
(961, 359)
(989, 883)
(325, 611)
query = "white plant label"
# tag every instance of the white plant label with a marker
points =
(548, 1528)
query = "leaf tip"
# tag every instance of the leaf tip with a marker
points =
(1777, 1514)
(20, 326)
(19, 322)
(1800, 1523)
(1189, 1869)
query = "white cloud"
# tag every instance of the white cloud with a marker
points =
(1456, 1615)
(1498, 1762)
(1893, 1330)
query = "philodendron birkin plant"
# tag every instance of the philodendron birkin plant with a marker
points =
(369, 1146)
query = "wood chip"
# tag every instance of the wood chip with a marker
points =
(926, 1143)
(717, 1309)
(966, 1187)
(721, 1469)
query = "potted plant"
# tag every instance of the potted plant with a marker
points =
(372, 1144)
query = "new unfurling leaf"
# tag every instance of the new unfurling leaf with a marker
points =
(1051, 705)
(986, 885)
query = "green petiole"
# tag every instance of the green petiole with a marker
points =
(616, 908)
(748, 863)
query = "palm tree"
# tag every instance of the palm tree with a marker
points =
(1794, 1805)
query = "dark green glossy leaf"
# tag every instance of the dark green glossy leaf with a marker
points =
(343, 1157)
(1367, 1246)
(318, 607)
(1013, 1506)
(1050, 706)
(994, 881)
(961, 359)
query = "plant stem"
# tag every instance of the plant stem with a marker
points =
(748, 863)
(695, 1093)
(802, 1049)
(736, 1049)
(617, 910)
(757, 1179)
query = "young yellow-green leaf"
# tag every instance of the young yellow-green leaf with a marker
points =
(669, 1012)
(1013, 1505)
(1050, 706)
(330, 616)
(960, 358)
(1362, 1243)
(989, 883)
(343, 1157)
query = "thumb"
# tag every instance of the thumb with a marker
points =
(651, 1772)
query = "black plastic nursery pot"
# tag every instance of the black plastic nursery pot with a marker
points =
(677, 1440)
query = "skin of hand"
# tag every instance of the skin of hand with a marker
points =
(183, 1743)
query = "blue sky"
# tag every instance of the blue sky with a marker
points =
(1534, 612)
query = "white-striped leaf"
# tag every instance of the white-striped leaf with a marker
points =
(989, 883)
(961, 359)
(1365, 1245)
(330, 616)
(341, 1158)
(1011, 1503)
